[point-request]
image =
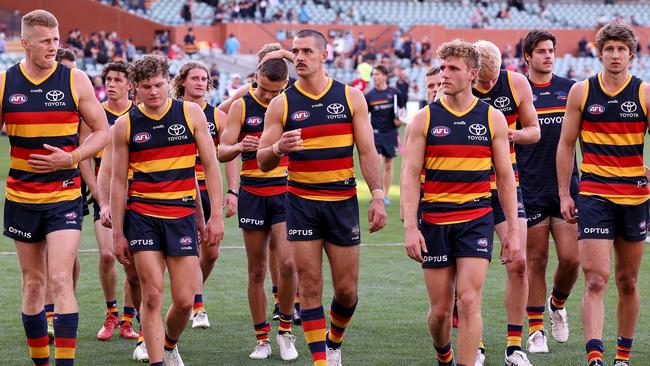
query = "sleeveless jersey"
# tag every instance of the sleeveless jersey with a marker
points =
(381, 105)
(458, 163)
(538, 175)
(162, 156)
(502, 96)
(211, 115)
(38, 112)
(112, 116)
(324, 170)
(611, 136)
(253, 180)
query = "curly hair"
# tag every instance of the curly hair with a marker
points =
(147, 67)
(117, 66)
(616, 32)
(178, 90)
(462, 49)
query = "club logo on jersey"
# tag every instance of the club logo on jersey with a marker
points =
(142, 137)
(177, 132)
(71, 215)
(17, 99)
(502, 102)
(482, 242)
(628, 107)
(477, 129)
(596, 109)
(55, 98)
(211, 127)
(253, 121)
(186, 240)
(440, 131)
(300, 116)
(561, 95)
(335, 111)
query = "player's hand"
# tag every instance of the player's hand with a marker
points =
(647, 174)
(105, 217)
(512, 135)
(290, 141)
(415, 244)
(230, 204)
(56, 160)
(376, 215)
(510, 247)
(214, 230)
(121, 250)
(568, 209)
(277, 54)
(201, 228)
(397, 122)
(249, 143)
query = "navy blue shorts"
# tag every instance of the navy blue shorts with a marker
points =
(497, 210)
(336, 222)
(32, 222)
(173, 237)
(205, 203)
(386, 143)
(260, 212)
(540, 207)
(445, 243)
(599, 218)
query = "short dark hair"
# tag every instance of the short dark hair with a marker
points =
(435, 70)
(65, 54)
(148, 67)
(274, 69)
(318, 36)
(382, 69)
(117, 66)
(533, 38)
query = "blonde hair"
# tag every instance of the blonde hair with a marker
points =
(36, 18)
(461, 49)
(178, 90)
(490, 57)
(267, 48)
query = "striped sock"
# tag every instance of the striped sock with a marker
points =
(156, 364)
(140, 337)
(37, 339)
(535, 319)
(128, 314)
(276, 300)
(49, 312)
(557, 299)
(170, 344)
(111, 307)
(514, 338)
(595, 349)
(198, 304)
(623, 348)
(314, 326)
(285, 323)
(445, 355)
(296, 301)
(65, 338)
(262, 331)
(339, 319)
(481, 347)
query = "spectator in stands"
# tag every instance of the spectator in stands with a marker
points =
(130, 50)
(402, 84)
(3, 46)
(582, 47)
(361, 45)
(279, 15)
(263, 6)
(189, 42)
(504, 13)
(100, 89)
(231, 45)
(186, 12)
(303, 13)
(571, 73)
(118, 48)
(165, 41)
(214, 75)
(291, 16)
(353, 14)
(359, 83)
(235, 83)
(476, 19)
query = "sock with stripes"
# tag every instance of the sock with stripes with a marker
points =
(340, 317)
(65, 338)
(262, 331)
(140, 337)
(481, 347)
(514, 338)
(557, 299)
(127, 315)
(170, 344)
(198, 304)
(595, 349)
(314, 326)
(111, 307)
(37, 339)
(49, 312)
(276, 300)
(535, 319)
(444, 355)
(296, 301)
(156, 364)
(623, 348)
(285, 323)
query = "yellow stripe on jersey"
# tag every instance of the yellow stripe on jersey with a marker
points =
(72, 90)
(243, 111)
(349, 100)
(621, 200)
(610, 171)
(279, 171)
(584, 98)
(321, 177)
(459, 198)
(427, 121)
(328, 142)
(513, 157)
(323, 198)
(512, 88)
(188, 120)
(641, 98)
(21, 164)
(285, 109)
(160, 165)
(165, 195)
(602, 87)
(549, 111)
(41, 198)
(40, 130)
(619, 139)
(3, 77)
(469, 164)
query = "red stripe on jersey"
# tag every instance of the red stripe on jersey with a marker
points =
(199, 168)
(321, 165)
(456, 187)
(153, 209)
(23, 153)
(455, 216)
(265, 191)
(326, 130)
(41, 187)
(616, 189)
(511, 119)
(175, 151)
(458, 151)
(252, 163)
(615, 161)
(322, 192)
(36, 118)
(614, 127)
(169, 186)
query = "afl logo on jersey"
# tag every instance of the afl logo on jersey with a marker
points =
(254, 121)
(596, 109)
(142, 137)
(17, 99)
(502, 102)
(440, 131)
(300, 116)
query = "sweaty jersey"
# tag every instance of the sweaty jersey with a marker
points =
(457, 162)
(503, 97)
(382, 105)
(253, 180)
(611, 136)
(324, 169)
(211, 115)
(111, 116)
(162, 156)
(537, 162)
(38, 112)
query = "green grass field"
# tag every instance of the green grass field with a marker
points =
(388, 328)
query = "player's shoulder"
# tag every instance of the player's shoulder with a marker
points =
(562, 81)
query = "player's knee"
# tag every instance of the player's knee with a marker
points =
(439, 314)
(537, 262)
(626, 285)
(34, 288)
(257, 275)
(569, 264)
(287, 267)
(152, 300)
(133, 280)
(517, 268)
(346, 296)
(468, 303)
(596, 282)
(106, 259)
(183, 306)
(209, 256)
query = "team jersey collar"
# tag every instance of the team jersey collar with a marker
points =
(117, 113)
(312, 96)
(37, 82)
(257, 100)
(458, 114)
(602, 86)
(157, 118)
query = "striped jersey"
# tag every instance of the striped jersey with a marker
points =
(38, 112)
(611, 136)
(502, 96)
(457, 162)
(112, 116)
(211, 115)
(537, 174)
(382, 105)
(324, 169)
(253, 180)
(162, 155)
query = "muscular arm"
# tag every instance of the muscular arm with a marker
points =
(119, 171)
(229, 148)
(92, 114)
(3, 76)
(411, 168)
(102, 194)
(232, 167)
(530, 131)
(365, 141)
(226, 104)
(566, 147)
(503, 168)
(85, 166)
(273, 130)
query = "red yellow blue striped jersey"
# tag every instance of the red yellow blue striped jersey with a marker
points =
(38, 112)
(253, 180)
(458, 163)
(611, 136)
(324, 169)
(111, 116)
(162, 155)
(211, 115)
